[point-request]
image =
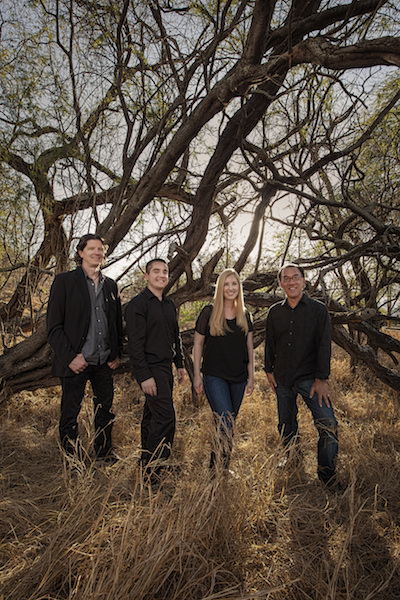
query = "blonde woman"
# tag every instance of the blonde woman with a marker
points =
(224, 340)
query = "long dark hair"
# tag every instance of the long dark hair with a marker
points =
(83, 242)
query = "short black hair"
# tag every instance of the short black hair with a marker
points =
(83, 243)
(153, 260)
(293, 265)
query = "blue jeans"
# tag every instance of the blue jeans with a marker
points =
(324, 421)
(225, 399)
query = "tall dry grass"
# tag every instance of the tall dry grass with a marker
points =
(90, 532)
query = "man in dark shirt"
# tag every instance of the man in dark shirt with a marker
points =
(297, 361)
(84, 328)
(154, 344)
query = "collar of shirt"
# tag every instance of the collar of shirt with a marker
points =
(150, 294)
(303, 299)
(101, 277)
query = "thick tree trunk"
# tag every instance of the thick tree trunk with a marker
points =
(366, 355)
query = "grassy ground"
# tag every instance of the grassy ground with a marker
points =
(82, 531)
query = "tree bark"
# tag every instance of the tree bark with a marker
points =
(27, 366)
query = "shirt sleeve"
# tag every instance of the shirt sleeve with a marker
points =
(269, 353)
(324, 345)
(136, 329)
(118, 318)
(55, 319)
(120, 330)
(249, 321)
(178, 358)
(203, 320)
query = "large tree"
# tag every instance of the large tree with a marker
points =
(158, 123)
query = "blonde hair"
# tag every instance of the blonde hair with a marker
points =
(218, 324)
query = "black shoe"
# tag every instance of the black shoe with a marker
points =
(152, 479)
(333, 486)
(74, 449)
(110, 458)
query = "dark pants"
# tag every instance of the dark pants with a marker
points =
(324, 421)
(73, 389)
(158, 422)
(225, 399)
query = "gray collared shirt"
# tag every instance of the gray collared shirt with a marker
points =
(96, 348)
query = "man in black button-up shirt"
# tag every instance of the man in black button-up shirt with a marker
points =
(297, 361)
(154, 344)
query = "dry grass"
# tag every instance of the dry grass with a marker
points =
(73, 531)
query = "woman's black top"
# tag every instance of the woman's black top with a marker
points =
(224, 356)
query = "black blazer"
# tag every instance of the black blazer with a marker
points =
(68, 318)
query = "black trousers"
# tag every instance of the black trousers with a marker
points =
(158, 422)
(73, 389)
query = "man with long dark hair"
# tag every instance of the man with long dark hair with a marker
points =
(84, 328)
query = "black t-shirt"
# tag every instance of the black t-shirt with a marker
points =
(225, 356)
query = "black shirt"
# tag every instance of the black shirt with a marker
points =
(153, 334)
(224, 356)
(298, 341)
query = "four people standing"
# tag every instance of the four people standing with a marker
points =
(84, 325)
(154, 344)
(224, 331)
(84, 328)
(297, 361)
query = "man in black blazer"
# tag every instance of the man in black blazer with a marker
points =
(84, 328)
